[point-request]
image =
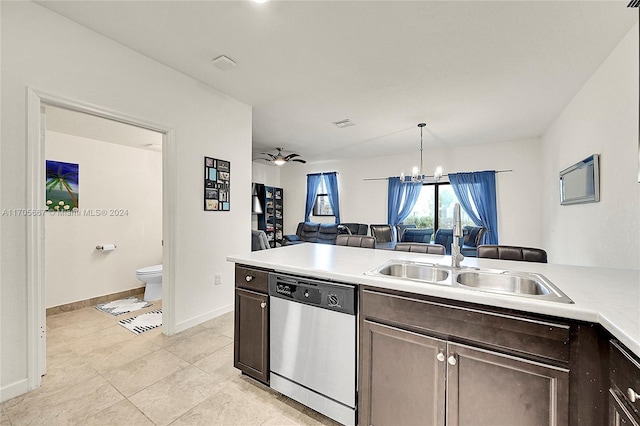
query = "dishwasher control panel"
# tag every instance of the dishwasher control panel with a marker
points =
(334, 296)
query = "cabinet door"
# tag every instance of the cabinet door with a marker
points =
(492, 389)
(251, 331)
(402, 377)
(619, 415)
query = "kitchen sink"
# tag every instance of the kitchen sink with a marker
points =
(521, 284)
(502, 283)
(508, 282)
(427, 272)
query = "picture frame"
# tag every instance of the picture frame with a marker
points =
(217, 184)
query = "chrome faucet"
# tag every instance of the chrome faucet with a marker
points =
(456, 256)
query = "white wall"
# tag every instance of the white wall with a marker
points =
(265, 174)
(50, 53)
(117, 178)
(602, 118)
(365, 201)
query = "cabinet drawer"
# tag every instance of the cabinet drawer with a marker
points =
(624, 374)
(252, 278)
(496, 330)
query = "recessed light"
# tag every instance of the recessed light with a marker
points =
(223, 63)
(343, 123)
(259, 1)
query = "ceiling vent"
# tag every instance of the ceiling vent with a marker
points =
(343, 123)
(223, 63)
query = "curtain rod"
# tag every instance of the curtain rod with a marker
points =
(321, 173)
(447, 174)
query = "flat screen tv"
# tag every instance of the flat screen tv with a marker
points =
(580, 183)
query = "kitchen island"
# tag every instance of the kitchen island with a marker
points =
(572, 358)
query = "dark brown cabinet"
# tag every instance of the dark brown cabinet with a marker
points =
(393, 391)
(624, 385)
(251, 327)
(491, 388)
(430, 361)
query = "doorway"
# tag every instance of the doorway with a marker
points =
(38, 101)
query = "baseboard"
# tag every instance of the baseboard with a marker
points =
(183, 325)
(14, 389)
(94, 301)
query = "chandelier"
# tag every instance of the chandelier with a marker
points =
(416, 173)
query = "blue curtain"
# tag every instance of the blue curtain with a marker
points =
(401, 199)
(331, 181)
(478, 189)
(313, 181)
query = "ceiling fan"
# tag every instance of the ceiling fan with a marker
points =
(279, 159)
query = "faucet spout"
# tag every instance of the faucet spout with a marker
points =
(456, 256)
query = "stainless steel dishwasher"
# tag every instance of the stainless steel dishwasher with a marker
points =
(313, 344)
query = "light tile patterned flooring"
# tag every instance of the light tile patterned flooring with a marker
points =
(99, 373)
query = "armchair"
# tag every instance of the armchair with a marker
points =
(445, 237)
(473, 236)
(417, 235)
(259, 240)
(401, 228)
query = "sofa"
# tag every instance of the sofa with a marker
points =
(355, 228)
(311, 232)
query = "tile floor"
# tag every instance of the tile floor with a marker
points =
(99, 373)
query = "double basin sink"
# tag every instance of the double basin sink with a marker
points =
(521, 284)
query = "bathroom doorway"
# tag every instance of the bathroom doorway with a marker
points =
(104, 208)
(53, 115)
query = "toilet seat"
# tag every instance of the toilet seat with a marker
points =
(148, 270)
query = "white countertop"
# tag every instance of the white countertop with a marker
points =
(610, 297)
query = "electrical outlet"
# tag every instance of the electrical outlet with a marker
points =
(218, 280)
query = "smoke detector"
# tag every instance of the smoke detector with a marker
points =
(223, 63)
(343, 123)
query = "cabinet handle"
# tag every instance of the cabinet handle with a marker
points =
(249, 278)
(633, 395)
(452, 360)
(440, 357)
(263, 305)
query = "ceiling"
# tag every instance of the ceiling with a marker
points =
(475, 72)
(88, 126)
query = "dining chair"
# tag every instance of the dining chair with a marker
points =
(364, 241)
(421, 248)
(527, 254)
(382, 233)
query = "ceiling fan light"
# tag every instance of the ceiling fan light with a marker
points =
(279, 161)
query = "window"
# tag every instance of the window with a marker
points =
(322, 207)
(434, 208)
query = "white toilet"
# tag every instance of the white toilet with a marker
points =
(152, 276)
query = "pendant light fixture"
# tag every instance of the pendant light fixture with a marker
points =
(416, 173)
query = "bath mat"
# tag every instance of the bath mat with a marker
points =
(144, 322)
(122, 306)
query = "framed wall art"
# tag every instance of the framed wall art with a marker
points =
(217, 184)
(62, 186)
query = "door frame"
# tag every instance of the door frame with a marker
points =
(36, 309)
